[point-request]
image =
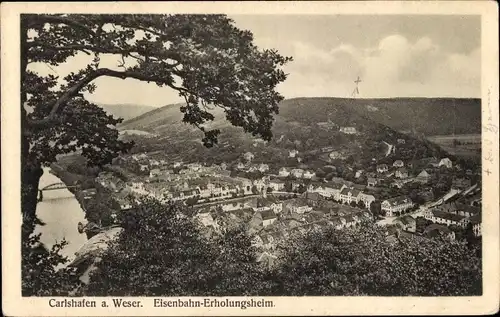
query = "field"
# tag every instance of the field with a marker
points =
(464, 145)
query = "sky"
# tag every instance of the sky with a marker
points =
(394, 56)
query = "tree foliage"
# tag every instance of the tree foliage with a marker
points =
(361, 261)
(42, 272)
(161, 252)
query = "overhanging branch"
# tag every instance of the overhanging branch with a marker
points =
(75, 89)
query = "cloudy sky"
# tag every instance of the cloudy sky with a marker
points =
(395, 56)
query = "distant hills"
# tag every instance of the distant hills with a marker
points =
(127, 111)
(429, 116)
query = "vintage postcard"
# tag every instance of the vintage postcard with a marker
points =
(250, 158)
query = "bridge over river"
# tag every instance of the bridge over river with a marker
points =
(54, 186)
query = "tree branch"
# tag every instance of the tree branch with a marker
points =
(75, 89)
(110, 50)
(43, 18)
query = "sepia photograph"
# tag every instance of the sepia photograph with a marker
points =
(186, 156)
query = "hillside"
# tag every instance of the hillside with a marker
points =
(127, 111)
(429, 116)
(310, 125)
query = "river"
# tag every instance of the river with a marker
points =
(61, 212)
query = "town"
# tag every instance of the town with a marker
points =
(274, 202)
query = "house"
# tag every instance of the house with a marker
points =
(407, 223)
(194, 167)
(143, 167)
(277, 185)
(476, 224)
(248, 156)
(177, 164)
(154, 172)
(460, 209)
(327, 149)
(382, 168)
(423, 177)
(276, 207)
(313, 199)
(446, 162)
(348, 195)
(446, 218)
(260, 184)
(297, 206)
(439, 231)
(358, 173)
(283, 172)
(401, 173)
(297, 172)
(348, 130)
(335, 155)
(366, 199)
(401, 141)
(398, 163)
(293, 153)
(371, 182)
(268, 217)
(153, 162)
(400, 183)
(308, 174)
(263, 168)
(396, 204)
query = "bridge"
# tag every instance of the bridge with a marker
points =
(54, 186)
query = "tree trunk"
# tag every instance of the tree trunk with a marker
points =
(30, 179)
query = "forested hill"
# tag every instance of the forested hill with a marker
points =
(430, 116)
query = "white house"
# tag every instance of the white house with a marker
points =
(398, 163)
(396, 204)
(293, 153)
(283, 172)
(423, 177)
(348, 130)
(382, 168)
(308, 174)
(439, 216)
(263, 168)
(277, 185)
(240, 166)
(335, 155)
(248, 156)
(366, 199)
(154, 172)
(401, 173)
(348, 195)
(260, 184)
(268, 217)
(446, 162)
(297, 172)
(476, 224)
